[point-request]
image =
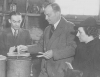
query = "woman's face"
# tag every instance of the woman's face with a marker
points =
(82, 35)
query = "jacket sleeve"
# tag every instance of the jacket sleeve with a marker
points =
(3, 48)
(28, 38)
(66, 48)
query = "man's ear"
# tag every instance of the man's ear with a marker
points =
(9, 20)
(57, 13)
(21, 20)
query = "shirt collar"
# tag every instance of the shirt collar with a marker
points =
(55, 25)
(13, 30)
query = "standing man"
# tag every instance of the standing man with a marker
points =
(59, 45)
(13, 36)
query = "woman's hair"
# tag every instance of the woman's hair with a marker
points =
(91, 31)
(90, 27)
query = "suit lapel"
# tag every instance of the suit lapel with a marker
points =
(9, 37)
(47, 35)
(56, 33)
(9, 33)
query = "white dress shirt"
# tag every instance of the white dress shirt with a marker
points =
(55, 25)
(13, 31)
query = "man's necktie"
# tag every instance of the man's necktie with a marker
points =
(52, 30)
(15, 33)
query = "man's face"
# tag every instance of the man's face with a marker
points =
(15, 21)
(51, 16)
(82, 35)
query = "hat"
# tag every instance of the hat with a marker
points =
(90, 21)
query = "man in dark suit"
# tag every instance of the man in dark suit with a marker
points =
(57, 47)
(13, 36)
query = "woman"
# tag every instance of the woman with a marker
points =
(87, 56)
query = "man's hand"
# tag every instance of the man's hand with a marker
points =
(22, 48)
(47, 55)
(12, 49)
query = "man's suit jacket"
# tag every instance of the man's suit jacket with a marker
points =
(63, 46)
(8, 40)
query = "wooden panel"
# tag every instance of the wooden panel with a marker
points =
(1, 2)
(21, 5)
(1, 5)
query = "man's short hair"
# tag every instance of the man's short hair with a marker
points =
(14, 13)
(55, 7)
